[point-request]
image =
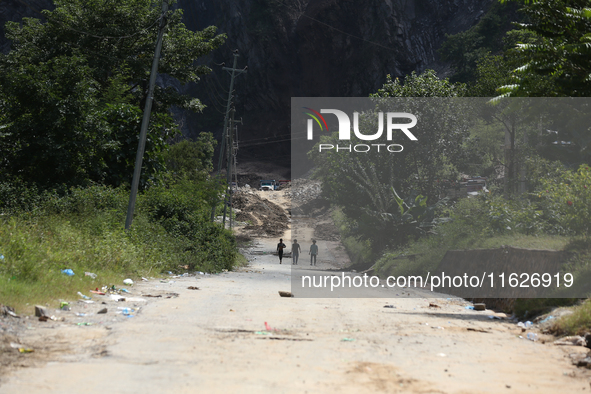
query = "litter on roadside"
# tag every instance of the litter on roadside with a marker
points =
(547, 319)
(431, 305)
(136, 299)
(127, 311)
(93, 276)
(128, 282)
(575, 340)
(193, 288)
(68, 272)
(40, 311)
(348, 340)
(532, 336)
(285, 294)
(6, 310)
(262, 333)
(84, 296)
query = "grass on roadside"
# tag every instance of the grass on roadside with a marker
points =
(83, 231)
(577, 323)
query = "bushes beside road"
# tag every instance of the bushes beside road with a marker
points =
(82, 229)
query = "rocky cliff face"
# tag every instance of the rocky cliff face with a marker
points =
(310, 48)
(303, 48)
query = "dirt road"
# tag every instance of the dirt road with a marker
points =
(237, 335)
(215, 340)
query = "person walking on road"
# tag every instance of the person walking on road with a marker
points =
(280, 247)
(295, 252)
(313, 252)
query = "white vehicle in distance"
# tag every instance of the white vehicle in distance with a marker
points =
(269, 184)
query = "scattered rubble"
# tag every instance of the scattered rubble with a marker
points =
(574, 340)
(262, 216)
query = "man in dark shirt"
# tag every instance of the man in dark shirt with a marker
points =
(280, 247)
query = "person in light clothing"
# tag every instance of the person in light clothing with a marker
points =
(295, 252)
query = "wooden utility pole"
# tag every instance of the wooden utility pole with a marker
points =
(234, 71)
(146, 119)
(228, 194)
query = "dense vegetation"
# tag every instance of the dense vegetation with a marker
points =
(72, 93)
(546, 55)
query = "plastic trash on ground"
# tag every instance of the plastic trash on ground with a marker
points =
(547, 319)
(527, 324)
(93, 276)
(128, 282)
(84, 296)
(68, 272)
(532, 336)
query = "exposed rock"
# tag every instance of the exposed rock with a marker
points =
(318, 48)
(303, 48)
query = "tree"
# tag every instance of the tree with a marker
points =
(419, 169)
(426, 84)
(560, 51)
(72, 90)
(465, 49)
(192, 159)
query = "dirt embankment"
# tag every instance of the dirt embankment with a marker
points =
(262, 217)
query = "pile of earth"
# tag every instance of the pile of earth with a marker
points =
(263, 217)
(304, 190)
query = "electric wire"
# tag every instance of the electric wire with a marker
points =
(336, 29)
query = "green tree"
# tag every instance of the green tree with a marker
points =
(72, 90)
(192, 159)
(418, 170)
(465, 49)
(427, 84)
(560, 51)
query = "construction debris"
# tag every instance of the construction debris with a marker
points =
(262, 216)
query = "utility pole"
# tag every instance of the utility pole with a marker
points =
(228, 195)
(146, 119)
(234, 72)
(230, 167)
(234, 148)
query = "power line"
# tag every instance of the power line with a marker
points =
(336, 29)
(215, 99)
